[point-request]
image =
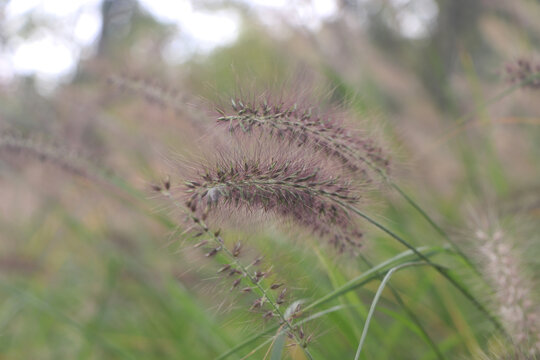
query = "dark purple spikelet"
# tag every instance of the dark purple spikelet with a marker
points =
(524, 71)
(290, 185)
(301, 125)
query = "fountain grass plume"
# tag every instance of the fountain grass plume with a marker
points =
(275, 181)
(326, 134)
(305, 125)
(502, 266)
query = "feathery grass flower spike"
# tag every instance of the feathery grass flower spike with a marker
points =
(306, 126)
(291, 186)
(502, 266)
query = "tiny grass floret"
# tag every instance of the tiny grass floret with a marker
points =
(525, 72)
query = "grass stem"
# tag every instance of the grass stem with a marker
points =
(444, 272)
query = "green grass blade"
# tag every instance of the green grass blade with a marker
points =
(279, 344)
(412, 316)
(349, 286)
(376, 299)
(444, 272)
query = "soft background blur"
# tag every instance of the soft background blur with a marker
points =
(88, 270)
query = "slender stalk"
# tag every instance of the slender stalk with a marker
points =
(434, 226)
(417, 207)
(376, 300)
(352, 284)
(444, 272)
(280, 330)
(410, 313)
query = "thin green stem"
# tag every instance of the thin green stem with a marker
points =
(369, 275)
(376, 300)
(435, 226)
(351, 285)
(445, 273)
(410, 313)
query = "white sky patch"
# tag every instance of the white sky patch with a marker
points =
(203, 32)
(199, 32)
(52, 53)
(87, 27)
(212, 29)
(45, 55)
(325, 8)
(66, 8)
(415, 17)
(6, 69)
(20, 7)
(299, 13)
(170, 11)
(269, 3)
(51, 57)
(79, 21)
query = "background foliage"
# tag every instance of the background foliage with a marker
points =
(91, 267)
